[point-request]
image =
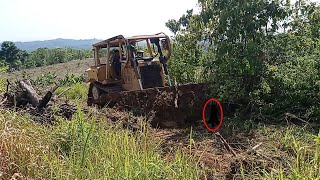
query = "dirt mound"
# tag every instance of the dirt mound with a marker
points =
(163, 107)
(126, 119)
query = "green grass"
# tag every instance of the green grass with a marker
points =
(296, 151)
(90, 148)
(305, 148)
(84, 149)
(2, 86)
(78, 91)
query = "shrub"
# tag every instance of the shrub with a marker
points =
(295, 87)
(71, 79)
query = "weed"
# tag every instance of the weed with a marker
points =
(78, 91)
(305, 151)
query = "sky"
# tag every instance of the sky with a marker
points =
(29, 20)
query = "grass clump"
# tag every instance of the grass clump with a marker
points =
(303, 155)
(78, 91)
(305, 148)
(84, 149)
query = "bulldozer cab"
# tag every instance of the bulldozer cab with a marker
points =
(133, 63)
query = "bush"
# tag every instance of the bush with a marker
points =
(71, 79)
(49, 78)
(296, 85)
(46, 79)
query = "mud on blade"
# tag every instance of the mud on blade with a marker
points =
(165, 106)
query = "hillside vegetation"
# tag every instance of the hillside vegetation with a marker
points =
(57, 43)
(17, 59)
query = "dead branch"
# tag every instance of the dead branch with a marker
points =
(254, 151)
(5, 99)
(225, 143)
(254, 148)
(67, 89)
(295, 119)
(45, 100)
(264, 156)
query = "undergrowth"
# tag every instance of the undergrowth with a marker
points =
(295, 152)
(77, 91)
(84, 148)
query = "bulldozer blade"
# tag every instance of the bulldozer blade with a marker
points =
(171, 106)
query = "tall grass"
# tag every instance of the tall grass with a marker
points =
(304, 148)
(84, 149)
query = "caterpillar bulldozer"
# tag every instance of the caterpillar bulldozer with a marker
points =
(132, 73)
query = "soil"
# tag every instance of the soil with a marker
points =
(213, 156)
(169, 107)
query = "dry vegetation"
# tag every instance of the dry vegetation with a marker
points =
(76, 67)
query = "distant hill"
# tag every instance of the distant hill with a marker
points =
(57, 43)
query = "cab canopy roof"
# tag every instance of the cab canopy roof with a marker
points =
(114, 41)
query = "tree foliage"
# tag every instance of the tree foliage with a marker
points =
(248, 48)
(11, 54)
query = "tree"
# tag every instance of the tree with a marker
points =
(176, 26)
(241, 46)
(9, 52)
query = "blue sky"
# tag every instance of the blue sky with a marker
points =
(28, 20)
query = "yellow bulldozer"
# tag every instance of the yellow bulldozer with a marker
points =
(136, 77)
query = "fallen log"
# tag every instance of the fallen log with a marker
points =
(31, 93)
(291, 118)
(34, 97)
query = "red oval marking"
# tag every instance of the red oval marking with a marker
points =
(204, 119)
